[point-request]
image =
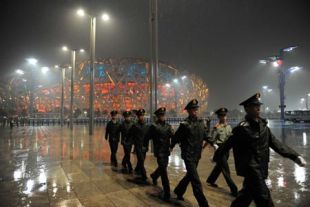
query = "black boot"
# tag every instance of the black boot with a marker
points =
(154, 180)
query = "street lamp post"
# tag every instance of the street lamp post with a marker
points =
(277, 61)
(175, 82)
(105, 17)
(73, 63)
(282, 85)
(92, 73)
(62, 72)
(32, 62)
(153, 15)
(73, 57)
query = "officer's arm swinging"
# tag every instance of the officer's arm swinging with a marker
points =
(122, 134)
(148, 136)
(219, 153)
(207, 134)
(107, 131)
(177, 136)
(281, 148)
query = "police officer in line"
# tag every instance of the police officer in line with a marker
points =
(251, 141)
(191, 134)
(113, 134)
(220, 133)
(138, 132)
(161, 133)
(126, 140)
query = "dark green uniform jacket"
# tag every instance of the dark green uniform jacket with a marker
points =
(125, 129)
(191, 134)
(139, 132)
(161, 133)
(113, 131)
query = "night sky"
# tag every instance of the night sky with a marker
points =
(219, 40)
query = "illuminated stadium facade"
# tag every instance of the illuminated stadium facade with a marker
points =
(121, 84)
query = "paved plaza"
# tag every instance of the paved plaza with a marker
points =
(52, 166)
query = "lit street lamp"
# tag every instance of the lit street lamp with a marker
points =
(64, 48)
(302, 101)
(266, 90)
(307, 101)
(30, 76)
(73, 63)
(183, 77)
(176, 88)
(105, 17)
(294, 69)
(33, 62)
(277, 61)
(175, 81)
(20, 72)
(44, 70)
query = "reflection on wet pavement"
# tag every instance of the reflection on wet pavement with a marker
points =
(50, 166)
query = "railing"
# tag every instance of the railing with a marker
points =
(84, 121)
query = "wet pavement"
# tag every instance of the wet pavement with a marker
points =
(50, 166)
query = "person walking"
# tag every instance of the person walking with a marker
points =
(113, 135)
(251, 142)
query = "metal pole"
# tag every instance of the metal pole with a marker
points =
(175, 99)
(282, 94)
(151, 69)
(282, 79)
(73, 55)
(62, 97)
(154, 53)
(31, 94)
(92, 73)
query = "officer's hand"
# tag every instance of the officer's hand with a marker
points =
(205, 145)
(215, 146)
(214, 159)
(301, 161)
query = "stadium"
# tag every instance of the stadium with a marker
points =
(120, 84)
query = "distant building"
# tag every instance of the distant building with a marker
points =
(123, 84)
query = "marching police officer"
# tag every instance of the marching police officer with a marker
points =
(251, 141)
(191, 134)
(220, 133)
(139, 131)
(161, 132)
(126, 141)
(113, 134)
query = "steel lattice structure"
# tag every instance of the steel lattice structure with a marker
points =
(123, 84)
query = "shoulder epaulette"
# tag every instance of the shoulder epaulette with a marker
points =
(184, 122)
(216, 126)
(244, 123)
